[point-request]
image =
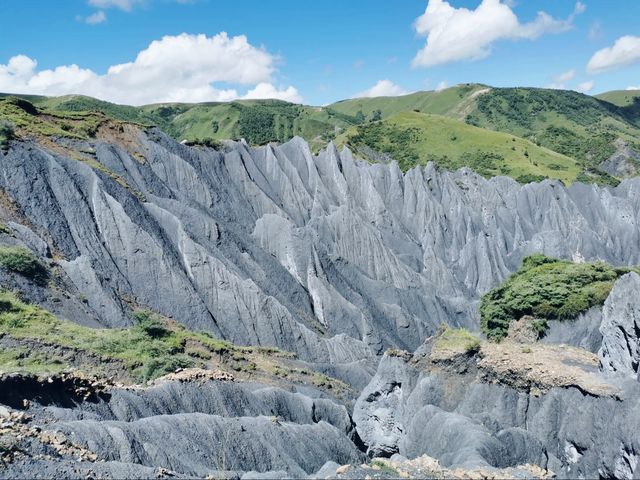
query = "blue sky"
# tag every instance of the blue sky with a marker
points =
(316, 52)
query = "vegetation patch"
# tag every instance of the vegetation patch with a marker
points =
(149, 349)
(154, 346)
(457, 339)
(7, 133)
(24, 262)
(546, 288)
(415, 138)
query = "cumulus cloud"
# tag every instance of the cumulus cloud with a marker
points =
(631, 87)
(96, 18)
(585, 87)
(267, 90)
(455, 34)
(176, 68)
(558, 82)
(382, 88)
(625, 51)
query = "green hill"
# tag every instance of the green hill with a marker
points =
(456, 102)
(621, 98)
(416, 138)
(565, 134)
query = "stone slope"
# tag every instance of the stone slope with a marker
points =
(324, 255)
(335, 260)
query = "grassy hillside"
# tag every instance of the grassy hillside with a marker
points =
(152, 347)
(566, 135)
(570, 123)
(621, 98)
(416, 138)
(454, 102)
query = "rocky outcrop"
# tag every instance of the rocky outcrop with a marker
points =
(184, 425)
(624, 163)
(325, 255)
(336, 260)
(511, 405)
(620, 329)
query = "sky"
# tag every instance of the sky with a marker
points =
(314, 52)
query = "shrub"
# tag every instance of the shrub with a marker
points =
(24, 262)
(7, 133)
(546, 288)
(529, 178)
(149, 324)
(157, 367)
(457, 339)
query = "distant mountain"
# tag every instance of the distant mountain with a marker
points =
(621, 98)
(542, 133)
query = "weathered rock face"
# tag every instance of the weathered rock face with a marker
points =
(186, 428)
(620, 350)
(323, 255)
(336, 260)
(465, 422)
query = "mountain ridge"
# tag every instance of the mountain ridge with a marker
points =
(578, 126)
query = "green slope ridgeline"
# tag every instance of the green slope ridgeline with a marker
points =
(526, 133)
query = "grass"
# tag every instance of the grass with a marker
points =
(152, 347)
(19, 359)
(7, 133)
(31, 121)
(384, 468)
(621, 98)
(149, 349)
(457, 339)
(546, 288)
(451, 102)
(558, 134)
(415, 138)
(570, 123)
(24, 262)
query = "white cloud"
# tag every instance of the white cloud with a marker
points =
(441, 86)
(94, 19)
(585, 87)
(455, 34)
(176, 68)
(125, 5)
(267, 90)
(558, 82)
(625, 51)
(383, 88)
(633, 88)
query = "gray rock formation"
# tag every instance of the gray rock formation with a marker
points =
(333, 259)
(625, 162)
(470, 424)
(620, 350)
(583, 331)
(192, 429)
(324, 255)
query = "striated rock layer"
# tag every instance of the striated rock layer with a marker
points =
(335, 260)
(326, 256)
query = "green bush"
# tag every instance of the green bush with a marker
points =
(157, 367)
(149, 324)
(457, 339)
(7, 133)
(529, 178)
(546, 288)
(24, 262)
